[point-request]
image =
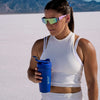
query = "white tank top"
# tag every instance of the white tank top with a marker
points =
(66, 64)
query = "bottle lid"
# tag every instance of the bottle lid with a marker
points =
(46, 61)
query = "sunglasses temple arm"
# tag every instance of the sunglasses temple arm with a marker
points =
(61, 17)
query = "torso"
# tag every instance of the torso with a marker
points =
(79, 49)
(79, 52)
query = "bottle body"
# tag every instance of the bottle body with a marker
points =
(45, 69)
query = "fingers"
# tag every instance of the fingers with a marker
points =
(37, 81)
(37, 73)
(38, 78)
(36, 68)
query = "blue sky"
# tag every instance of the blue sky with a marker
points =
(92, 0)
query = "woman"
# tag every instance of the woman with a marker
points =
(68, 53)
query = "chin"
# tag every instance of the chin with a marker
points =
(53, 33)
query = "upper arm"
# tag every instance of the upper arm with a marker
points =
(90, 61)
(36, 49)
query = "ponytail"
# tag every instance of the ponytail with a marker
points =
(71, 23)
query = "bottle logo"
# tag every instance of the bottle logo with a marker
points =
(48, 80)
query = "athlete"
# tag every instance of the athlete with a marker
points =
(69, 54)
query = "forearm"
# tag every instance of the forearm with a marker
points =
(93, 91)
(31, 74)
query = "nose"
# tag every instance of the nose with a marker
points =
(49, 25)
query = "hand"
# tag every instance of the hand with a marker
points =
(38, 78)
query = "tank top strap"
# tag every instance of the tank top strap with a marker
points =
(75, 49)
(76, 43)
(45, 43)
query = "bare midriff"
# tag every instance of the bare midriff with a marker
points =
(56, 89)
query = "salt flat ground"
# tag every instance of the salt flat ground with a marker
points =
(17, 35)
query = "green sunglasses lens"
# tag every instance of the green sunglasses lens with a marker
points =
(50, 20)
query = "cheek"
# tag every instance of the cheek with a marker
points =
(60, 27)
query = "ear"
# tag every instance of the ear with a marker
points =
(67, 18)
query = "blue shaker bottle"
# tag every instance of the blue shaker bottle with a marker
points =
(44, 67)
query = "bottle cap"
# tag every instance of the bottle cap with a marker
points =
(42, 61)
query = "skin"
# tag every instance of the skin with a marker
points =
(85, 50)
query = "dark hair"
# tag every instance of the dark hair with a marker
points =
(62, 6)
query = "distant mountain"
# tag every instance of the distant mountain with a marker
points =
(37, 6)
(80, 6)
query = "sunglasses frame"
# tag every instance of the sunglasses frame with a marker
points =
(45, 20)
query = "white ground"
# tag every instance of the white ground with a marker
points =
(17, 35)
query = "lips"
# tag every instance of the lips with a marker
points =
(51, 30)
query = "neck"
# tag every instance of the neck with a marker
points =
(63, 34)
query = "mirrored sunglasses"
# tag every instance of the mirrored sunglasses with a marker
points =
(52, 20)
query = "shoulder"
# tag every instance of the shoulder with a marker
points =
(39, 42)
(38, 46)
(86, 44)
(87, 47)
